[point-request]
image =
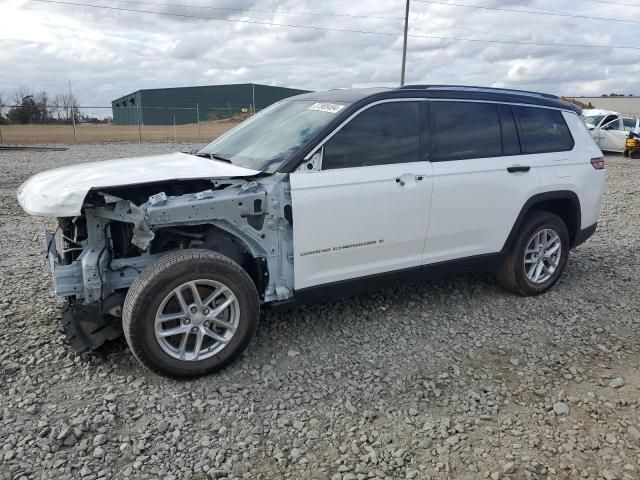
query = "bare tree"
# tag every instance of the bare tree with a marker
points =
(42, 101)
(20, 94)
(66, 105)
(57, 107)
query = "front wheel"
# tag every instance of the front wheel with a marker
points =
(190, 313)
(538, 255)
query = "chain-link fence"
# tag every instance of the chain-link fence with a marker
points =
(32, 124)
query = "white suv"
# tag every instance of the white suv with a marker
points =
(317, 195)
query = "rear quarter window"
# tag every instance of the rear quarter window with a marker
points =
(543, 130)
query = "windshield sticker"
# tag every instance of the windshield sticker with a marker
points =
(326, 107)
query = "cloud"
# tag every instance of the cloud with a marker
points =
(108, 53)
(227, 75)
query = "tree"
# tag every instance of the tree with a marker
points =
(42, 102)
(29, 108)
(66, 107)
(2, 104)
(20, 93)
(25, 112)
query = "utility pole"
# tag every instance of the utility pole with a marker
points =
(73, 113)
(198, 118)
(404, 46)
(139, 124)
(253, 98)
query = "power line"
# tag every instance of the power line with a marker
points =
(531, 12)
(614, 3)
(467, 29)
(217, 19)
(366, 32)
(241, 10)
(285, 12)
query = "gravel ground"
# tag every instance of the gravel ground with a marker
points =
(442, 380)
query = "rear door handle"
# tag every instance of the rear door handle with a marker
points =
(518, 168)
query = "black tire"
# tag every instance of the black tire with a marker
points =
(512, 275)
(157, 281)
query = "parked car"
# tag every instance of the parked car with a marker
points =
(632, 147)
(609, 129)
(320, 194)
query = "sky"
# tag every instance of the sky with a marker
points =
(109, 53)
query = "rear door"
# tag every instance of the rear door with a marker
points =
(366, 211)
(548, 143)
(480, 178)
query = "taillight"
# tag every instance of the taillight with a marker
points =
(598, 163)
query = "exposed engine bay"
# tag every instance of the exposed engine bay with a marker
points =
(96, 256)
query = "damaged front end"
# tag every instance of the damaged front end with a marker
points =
(96, 256)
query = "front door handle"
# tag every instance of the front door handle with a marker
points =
(518, 168)
(410, 179)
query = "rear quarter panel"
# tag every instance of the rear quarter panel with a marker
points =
(586, 181)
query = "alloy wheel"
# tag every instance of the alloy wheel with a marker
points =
(196, 320)
(542, 256)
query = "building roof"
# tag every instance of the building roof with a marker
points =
(190, 87)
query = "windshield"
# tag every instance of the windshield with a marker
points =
(592, 120)
(266, 140)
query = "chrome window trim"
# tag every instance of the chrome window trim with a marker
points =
(420, 99)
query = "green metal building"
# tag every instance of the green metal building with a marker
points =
(164, 106)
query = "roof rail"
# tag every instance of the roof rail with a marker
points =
(470, 88)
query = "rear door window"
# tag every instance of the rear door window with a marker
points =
(543, 130)
(464, 130)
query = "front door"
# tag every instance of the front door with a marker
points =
(366, 210)
(612, 136)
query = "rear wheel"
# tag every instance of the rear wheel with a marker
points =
(538, 255)
(190, 313)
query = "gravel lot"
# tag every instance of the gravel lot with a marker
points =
(445, 380)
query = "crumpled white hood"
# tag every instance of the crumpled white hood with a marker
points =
(61, 192)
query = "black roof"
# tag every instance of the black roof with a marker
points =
(463, 92)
